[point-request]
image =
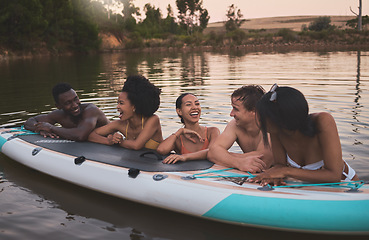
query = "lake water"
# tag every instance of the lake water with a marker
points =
(36, 206)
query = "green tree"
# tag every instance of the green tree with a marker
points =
(204, 19)
(320, 24)
(354, 22)
(85, 32)
(59, 18)
(152, 24)
(153, 15)
(192, 16)
(129, 10)
(21, 22)
(169, 23)
(234, 18)
(62, 24)
(98, 13)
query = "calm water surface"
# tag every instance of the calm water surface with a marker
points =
(34, 206)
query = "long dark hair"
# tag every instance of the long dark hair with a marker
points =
(289, 110)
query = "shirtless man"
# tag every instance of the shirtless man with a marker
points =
(244, 130)
(77, 120)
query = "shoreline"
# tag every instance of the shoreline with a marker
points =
(262, 35)
(266, 47)
(246, 48)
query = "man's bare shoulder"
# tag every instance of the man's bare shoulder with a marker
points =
(235, 129)
(92, 113)
(55, 115)
(231, 126)
(229, 132)
(90, 108)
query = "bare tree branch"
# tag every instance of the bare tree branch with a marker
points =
(354, 12)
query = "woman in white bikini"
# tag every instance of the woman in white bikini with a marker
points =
(192, 141)
(137, 104)
(305, 146)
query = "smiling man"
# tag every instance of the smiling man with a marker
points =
(77, 120)
(244, 130)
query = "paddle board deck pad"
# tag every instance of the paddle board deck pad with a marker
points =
(145, 160)
(197, 188)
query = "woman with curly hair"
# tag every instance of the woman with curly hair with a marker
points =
(141, 128)
(192, 141)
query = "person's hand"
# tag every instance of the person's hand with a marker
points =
(115, 138)
(45, 129)
(48, 134)
(273, 176)
(252, 164)
(192, 135)
(173, 158)
(43, 126)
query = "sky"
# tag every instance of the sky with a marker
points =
(268, 8)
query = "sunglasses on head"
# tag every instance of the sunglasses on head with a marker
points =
(273, 97)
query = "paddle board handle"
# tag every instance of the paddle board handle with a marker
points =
(133, 172)
(79, 160)
(158, 157)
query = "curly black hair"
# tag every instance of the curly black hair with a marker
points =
(59, 89)
(144, 95)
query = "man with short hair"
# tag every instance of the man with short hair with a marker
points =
(77, 120)
(244, 130)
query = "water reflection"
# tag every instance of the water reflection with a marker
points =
(194, 69)
(356, 108)
(357, 87)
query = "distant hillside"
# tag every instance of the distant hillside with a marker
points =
(275, 23)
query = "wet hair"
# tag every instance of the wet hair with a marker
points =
(144, 95)
(179, 103)
(288, 111)
(249, 95)
(59, 89)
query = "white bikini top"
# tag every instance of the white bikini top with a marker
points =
(312, 166)
(318, 165)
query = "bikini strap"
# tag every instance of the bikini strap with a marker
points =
(180, 138)
(127, 129)
(350, 171)
(142, 122)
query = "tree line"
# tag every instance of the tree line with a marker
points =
(74, 25)
(63, 24)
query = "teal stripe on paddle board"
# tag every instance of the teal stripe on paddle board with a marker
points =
(297, 214)
(2, 142)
